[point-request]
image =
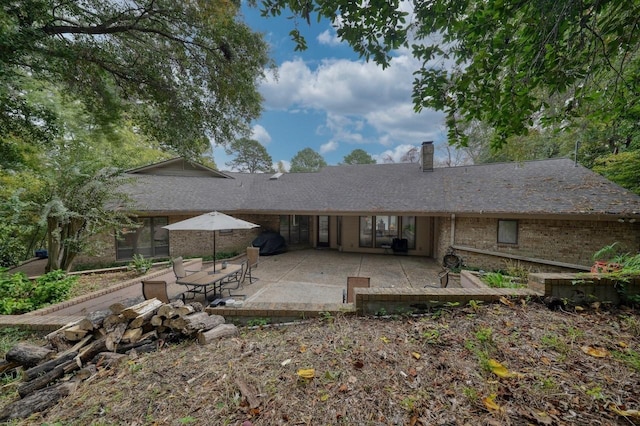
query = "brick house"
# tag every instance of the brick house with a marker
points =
(549, 214)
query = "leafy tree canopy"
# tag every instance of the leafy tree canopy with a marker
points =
(250, 156)
(498, 62)
(62, 192)
(307, 160)
(183, 71)
(358, 156)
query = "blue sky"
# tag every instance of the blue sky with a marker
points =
(329, 100)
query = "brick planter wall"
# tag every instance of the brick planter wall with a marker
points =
(584, 288)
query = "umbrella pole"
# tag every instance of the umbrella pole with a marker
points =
(214, 251)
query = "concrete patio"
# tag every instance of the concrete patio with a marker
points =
(303, 277)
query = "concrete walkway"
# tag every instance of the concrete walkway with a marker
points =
(304, 277)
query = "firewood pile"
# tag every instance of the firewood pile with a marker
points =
(75, 352)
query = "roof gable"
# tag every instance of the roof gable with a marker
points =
(178, 167)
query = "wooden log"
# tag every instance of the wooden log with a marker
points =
(75, 333)
(197, 306)
(141, 319)
(248, 393)
(44, 367)
(131, 335)
(77, 346)
(200, 321)
(142, 308)
(94, 320)
(60, 330)
(114, 337)
(185, 310)
(167, 311)
(112, 321)
(92, 350)
(37, 402)
(146, 348)
(156, 320)
(7, 365)
(108, 359)
(27, 388)
(126, 347)
(28, 355)
(223, 330)
(85, 324)
(118, 307)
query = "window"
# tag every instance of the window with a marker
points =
(376, 231)
(149, 239)
(507, 231)
(409, 231)
(386, 230)
(295, 229)
(366, 231)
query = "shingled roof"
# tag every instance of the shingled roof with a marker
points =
(546, 187)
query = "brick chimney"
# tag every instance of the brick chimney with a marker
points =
(427, 156)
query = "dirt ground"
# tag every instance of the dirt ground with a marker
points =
(88, 283)
(510, 363)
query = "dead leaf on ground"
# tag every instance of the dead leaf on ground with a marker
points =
(490, 403)
(307, 373)
(625, 413)
(506, 301)
(595, 352)
(501, 371)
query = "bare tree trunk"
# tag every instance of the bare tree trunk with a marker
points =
(53, 244)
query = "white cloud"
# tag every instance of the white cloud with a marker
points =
(329, 38)
(394, 154)
(363, 103)
(260, 134)
(328, 147)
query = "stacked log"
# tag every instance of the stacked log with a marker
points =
(99, 340)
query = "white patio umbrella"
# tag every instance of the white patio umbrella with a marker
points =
(213, 221)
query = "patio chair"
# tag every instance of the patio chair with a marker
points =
(179, 270)
(236, 280)
(253, 256)
(352, 283)
(155, 289)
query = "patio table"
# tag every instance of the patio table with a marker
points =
(206, 281)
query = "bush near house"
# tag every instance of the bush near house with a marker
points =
(19, 294)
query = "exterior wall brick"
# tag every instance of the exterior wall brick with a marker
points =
(188, 243)
(565, 241)
(200, 243)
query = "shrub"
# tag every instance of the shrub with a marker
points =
(19, 294)
(497, 280)
(140, 264)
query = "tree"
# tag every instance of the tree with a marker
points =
(65, 191)
(307, 160)
(83, 202)
(358, 156)
(184, 72)
(280, 167)
(622, 169)
(251, 156)
(499, 62)
(411, 156)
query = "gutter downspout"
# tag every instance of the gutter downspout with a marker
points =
(453, 229)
